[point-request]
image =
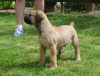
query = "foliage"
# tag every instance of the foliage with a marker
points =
(75, 6)
(19, 56)
(29, 4)
(11, 4)
(97, 6)
(7, 4)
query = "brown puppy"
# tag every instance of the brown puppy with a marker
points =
(52, 37)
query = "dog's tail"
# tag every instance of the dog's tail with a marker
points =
(72, 24)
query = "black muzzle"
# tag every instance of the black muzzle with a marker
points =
(27, 19)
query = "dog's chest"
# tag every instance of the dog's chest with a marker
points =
(45, 41)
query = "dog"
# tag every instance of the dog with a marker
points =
(52, 37)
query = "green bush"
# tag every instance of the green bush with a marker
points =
(97, 6)
(7, 4)
(29, 4)
(74, 6)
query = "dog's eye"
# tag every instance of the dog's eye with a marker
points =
(31, 14)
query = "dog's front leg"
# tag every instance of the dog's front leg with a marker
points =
(53, 58)
(42, 54)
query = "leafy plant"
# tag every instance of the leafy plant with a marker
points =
(74, 6)
(29, 4)
(97, 6)
(7, 5)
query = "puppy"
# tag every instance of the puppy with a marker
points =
(52, 37)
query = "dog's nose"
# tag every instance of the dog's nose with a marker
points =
(27, 20)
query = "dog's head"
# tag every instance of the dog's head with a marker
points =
(34, 17)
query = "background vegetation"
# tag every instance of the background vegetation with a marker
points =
(19, 56)
(74, 6)
(77, 6)
(7, 5)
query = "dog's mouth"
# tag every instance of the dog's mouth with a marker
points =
(27, 20)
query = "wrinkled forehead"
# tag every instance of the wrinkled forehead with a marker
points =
(33, 13)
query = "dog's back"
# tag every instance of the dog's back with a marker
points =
(64, 34)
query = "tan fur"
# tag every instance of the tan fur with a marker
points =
(52, 37)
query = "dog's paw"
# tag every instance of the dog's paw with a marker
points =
(53, 67)
(40, 63)
(78, 59)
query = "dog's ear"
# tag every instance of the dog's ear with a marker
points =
(38, 16)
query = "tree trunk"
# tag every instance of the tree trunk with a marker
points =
(62, 7)
(89, 7)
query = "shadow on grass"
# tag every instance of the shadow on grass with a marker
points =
(6, 13)
(29, 65)
(7, 32)
(34, 65)
(66, 58)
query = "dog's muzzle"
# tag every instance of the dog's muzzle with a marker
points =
(27, 20)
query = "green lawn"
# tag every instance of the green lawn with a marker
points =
(19, 56)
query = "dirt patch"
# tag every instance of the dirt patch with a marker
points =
(29, 9)
(95, 13)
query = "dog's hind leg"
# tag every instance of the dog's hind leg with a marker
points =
(42, 55)
(60, 51)
(75, 44)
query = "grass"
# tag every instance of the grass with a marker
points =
(19, 56)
